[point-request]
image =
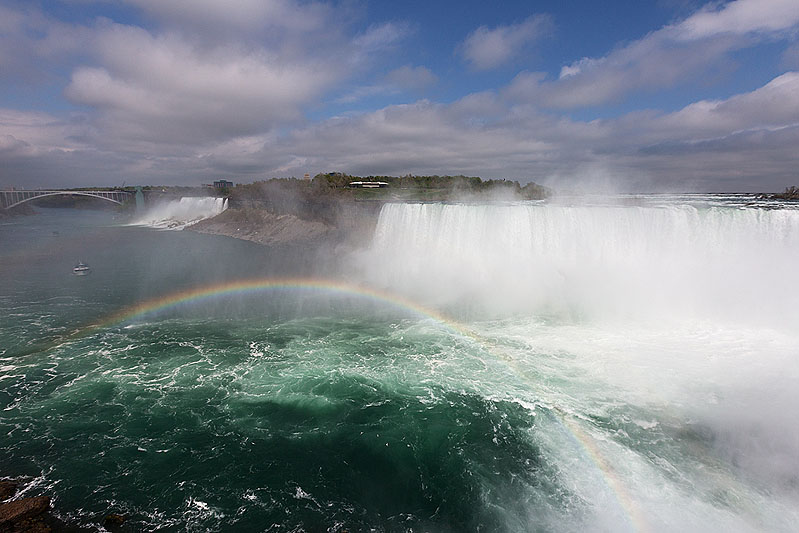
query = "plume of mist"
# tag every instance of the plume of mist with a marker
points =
(589, 262)
(684, 308)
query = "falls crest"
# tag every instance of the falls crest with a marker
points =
(594, 262)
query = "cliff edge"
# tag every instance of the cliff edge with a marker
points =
(263, 227)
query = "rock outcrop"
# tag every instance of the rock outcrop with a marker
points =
(27, 515)
(264, 227)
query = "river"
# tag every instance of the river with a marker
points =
(518, 367)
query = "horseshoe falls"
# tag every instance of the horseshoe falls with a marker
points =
(508, 367)
(598, 263)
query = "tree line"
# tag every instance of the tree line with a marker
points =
(469, 184)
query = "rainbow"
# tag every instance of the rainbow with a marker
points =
(251, 286)
(588, 448)
(578, 437)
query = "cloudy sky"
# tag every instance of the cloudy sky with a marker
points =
(681, 95)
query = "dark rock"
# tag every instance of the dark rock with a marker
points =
(114, 520)
(31, 525)
(22, 515)
(7, 490)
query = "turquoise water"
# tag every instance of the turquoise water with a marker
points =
(307, 409)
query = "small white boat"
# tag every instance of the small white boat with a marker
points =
(81, 269)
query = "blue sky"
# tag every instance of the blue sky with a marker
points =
(670, 95)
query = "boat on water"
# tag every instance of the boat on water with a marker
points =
(81, 269)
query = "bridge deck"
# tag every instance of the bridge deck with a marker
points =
(9, 199)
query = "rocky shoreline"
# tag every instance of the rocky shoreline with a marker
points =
(34, 514)
(267, 228)
(263, 227)
(26, 514)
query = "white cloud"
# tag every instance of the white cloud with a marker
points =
(381, 36)
(746, 142)
(790, 58)
(40, 132)
(652, 63)
(772, 106)
(365, 91)
(31, 43)
(179, 80)
(400, 80)
(40, 149)
(487, 48)
(240, 15)
(413, 78)
(575, 68)
(173, 103)
(167, 84)
(741, 17)
(172, 99)
(698, 47)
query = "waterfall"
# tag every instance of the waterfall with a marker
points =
(591, 261)
(178, 214)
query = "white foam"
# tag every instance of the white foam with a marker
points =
(594, 262)
(666, 334)
(179, 214)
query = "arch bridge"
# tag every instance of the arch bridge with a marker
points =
(9, 199)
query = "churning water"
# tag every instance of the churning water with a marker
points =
(496, 368)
